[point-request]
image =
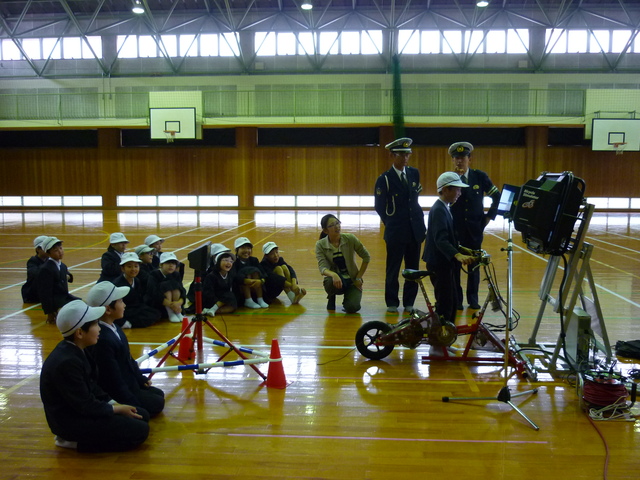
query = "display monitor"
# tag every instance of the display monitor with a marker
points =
(508, 200)
(199, 258)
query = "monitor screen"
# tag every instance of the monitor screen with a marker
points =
(509, 195)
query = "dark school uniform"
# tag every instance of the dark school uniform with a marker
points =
(439, 252)
(29, 290)
(77, 409)
(216, 288)
(137, 313)
(52, 286)
(110, 263)
(119, 374)
(157, 285)
(274, 283)
(249, 268)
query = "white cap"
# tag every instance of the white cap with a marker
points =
(49, 243)
(267, 247)
(167, 257)
(75, 314)
(449, 179)
(151, 239)
(217, 248)
(38, 241)
(227, 252)
(117, 238)
(130, 257)
(140, 249)
(103, 293)
(242, 241)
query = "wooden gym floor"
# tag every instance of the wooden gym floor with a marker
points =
(342, 417)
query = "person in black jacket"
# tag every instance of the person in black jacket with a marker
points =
(137, 314)
(29, 290)
(279, 276)
(441, 249)
(52, 280)
(77, 409)
(396, 202)
(165, 291)
(119, 374)
(110, 261)
(469, 218)
(217, 287)
(249, 276)
(145, 254)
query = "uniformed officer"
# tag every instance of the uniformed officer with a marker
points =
(396, 202)
(469, 217)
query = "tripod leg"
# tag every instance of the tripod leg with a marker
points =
(536, 427)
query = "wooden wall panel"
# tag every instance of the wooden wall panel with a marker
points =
(247, 170)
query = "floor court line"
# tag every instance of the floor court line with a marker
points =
(335, 437)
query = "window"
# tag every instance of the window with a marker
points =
(599, 41)
(590, 41)
(229, 45)
(32, 48)
(204, 45)
(9, 50)
(463, 41)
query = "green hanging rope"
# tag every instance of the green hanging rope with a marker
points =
(398, 113)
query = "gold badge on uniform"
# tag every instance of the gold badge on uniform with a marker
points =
(378, 191)
(476, 187)
(460, 148)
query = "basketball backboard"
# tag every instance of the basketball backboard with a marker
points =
(182, 121)
(613, 134)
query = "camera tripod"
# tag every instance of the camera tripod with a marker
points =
(504, 395)
(198, 339)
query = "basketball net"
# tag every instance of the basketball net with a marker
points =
(171, 135)
(619, 147)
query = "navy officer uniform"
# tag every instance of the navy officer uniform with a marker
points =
(396, 202)
(469, 217)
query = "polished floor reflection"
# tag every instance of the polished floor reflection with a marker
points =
(342, 416)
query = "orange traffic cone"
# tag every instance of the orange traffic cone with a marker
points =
(185, 352)
(275, 376)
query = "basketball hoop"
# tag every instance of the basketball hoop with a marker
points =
(171, 135)
(619, 147)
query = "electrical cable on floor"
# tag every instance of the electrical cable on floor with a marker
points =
(605, 468)
(339, 358)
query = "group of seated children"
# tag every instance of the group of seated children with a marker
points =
(154, 279)
(241, 279)
(95, 397)
(47, 277)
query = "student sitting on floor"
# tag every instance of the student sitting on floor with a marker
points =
(119, 374)
(280, 276)
(110, 261)
(137, 314)
(217, 287)
(29, 291)
(249, 276)
(157, 243)
(145, 254)
(164, 289)
(79, 413)
(52, 281)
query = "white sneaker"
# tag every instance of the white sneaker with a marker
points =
(262, 303)
(61, 442)
(249, 303)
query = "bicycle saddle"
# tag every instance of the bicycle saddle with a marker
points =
(410, 274)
